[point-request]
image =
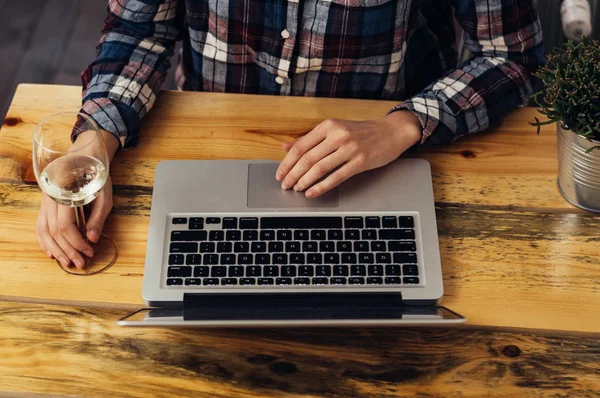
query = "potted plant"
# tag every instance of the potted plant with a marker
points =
(572, 101)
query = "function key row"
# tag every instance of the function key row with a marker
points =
(300, 222)
(317, 281)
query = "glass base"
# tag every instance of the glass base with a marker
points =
(105, 255)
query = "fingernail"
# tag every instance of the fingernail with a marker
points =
(297, 188)
(78, 263)
(285, 185)
(64, 261)
(88, 252)
(49, 254)
(94, 234)
(310, 194)
(278, 176)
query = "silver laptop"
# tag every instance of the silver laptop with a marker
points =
(227, 247)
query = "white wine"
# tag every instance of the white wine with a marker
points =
(73, 180)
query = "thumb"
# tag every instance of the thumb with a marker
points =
(100, 210)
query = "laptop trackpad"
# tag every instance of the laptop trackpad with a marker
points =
(264, 191)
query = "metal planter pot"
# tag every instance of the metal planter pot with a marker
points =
(578, 171)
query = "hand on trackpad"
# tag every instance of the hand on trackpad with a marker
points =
(264, 191)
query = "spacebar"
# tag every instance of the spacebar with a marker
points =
(300, 222)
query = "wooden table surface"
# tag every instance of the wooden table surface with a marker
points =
(519, 261)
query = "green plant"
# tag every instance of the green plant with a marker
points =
(572, 97)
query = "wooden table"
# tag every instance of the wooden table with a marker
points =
(519, 261)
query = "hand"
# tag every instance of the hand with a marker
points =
(345, 148)
(56, 229)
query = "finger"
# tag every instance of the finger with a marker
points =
(320, 169)
(73, 254)
(333, 180)
(288, 145)
(66, 223)
(307, 161)
(100, 211)
(300, 147)
(50, 228)
(56, 251)
(39, 227)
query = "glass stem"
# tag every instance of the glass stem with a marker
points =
(80, 221)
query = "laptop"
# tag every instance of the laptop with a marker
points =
(227, 247)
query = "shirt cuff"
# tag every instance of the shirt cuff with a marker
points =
(427, 110)
(115, 117)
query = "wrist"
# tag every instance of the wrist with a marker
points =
(406, 128)
(111, 143)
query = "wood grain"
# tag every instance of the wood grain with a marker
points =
(76, 351)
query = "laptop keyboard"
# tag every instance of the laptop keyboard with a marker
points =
(279, 251)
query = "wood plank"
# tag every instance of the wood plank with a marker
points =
(45, 53)
(18, 20)
(81, 48)
(501, 266)
(75, 351)
(510, 166)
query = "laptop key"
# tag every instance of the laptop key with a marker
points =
(355, 280)
(233, 234)
(344, 246)
(283, 281)
(392, 280)
(331, 258)
(236, 270)
(227, 259)
(241, 247)
(374, 280)
(263, 259)
(179, 271)
(320, 281)
(318, 235)
(335, 234)
(179, 220)
(406, 222)
(353, 222)
(248, 223)
(378, 246)
(396, 234)
(383, 258)
(352, 234)
(271, 270)
(297, 258)
(372, 222)
(275, 247)
(193, 259)
(174, 282)
(201, 271)
(216, 235)
(392, 269)
(250, 235)
(218, 271)
(292, 247)
(300, 222)
(327, 246)
(211, 259)
(284, 234)
(253, 270)
(188, 236)
(183, 248)
(230, 222)
(213, 220)
(210, 281)
(399, 246)
(314, 258)
(265, 281)
(309, 246)
(306, 270)
(323, 270)
(366, 258)
(301, 281)
(389, 222)
(410, 269)
(280, 258)
(245, 258)
(405, 258)
(411, 280)
(224, 247)
(361, 246)
(301, 234)
(229, 281)
(369, 234)
(349, 258)
(175, 259)
(193, 281)
(288, 270)
(196, 223)
(358, 270)
(375, 270)
(247, 281)
(207, 247)
(338, 281)
(340, 270)
(267, 235)
(259, 247)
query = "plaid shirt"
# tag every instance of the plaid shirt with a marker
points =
(376, 49)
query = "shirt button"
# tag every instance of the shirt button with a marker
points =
(279, 80)
(285, 34)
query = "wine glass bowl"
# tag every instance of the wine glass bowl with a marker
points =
(73, 173)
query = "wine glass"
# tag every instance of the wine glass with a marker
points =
(73, 174)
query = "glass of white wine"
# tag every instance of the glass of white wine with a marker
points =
(72, 174)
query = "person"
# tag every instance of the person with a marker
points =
(372, 49)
